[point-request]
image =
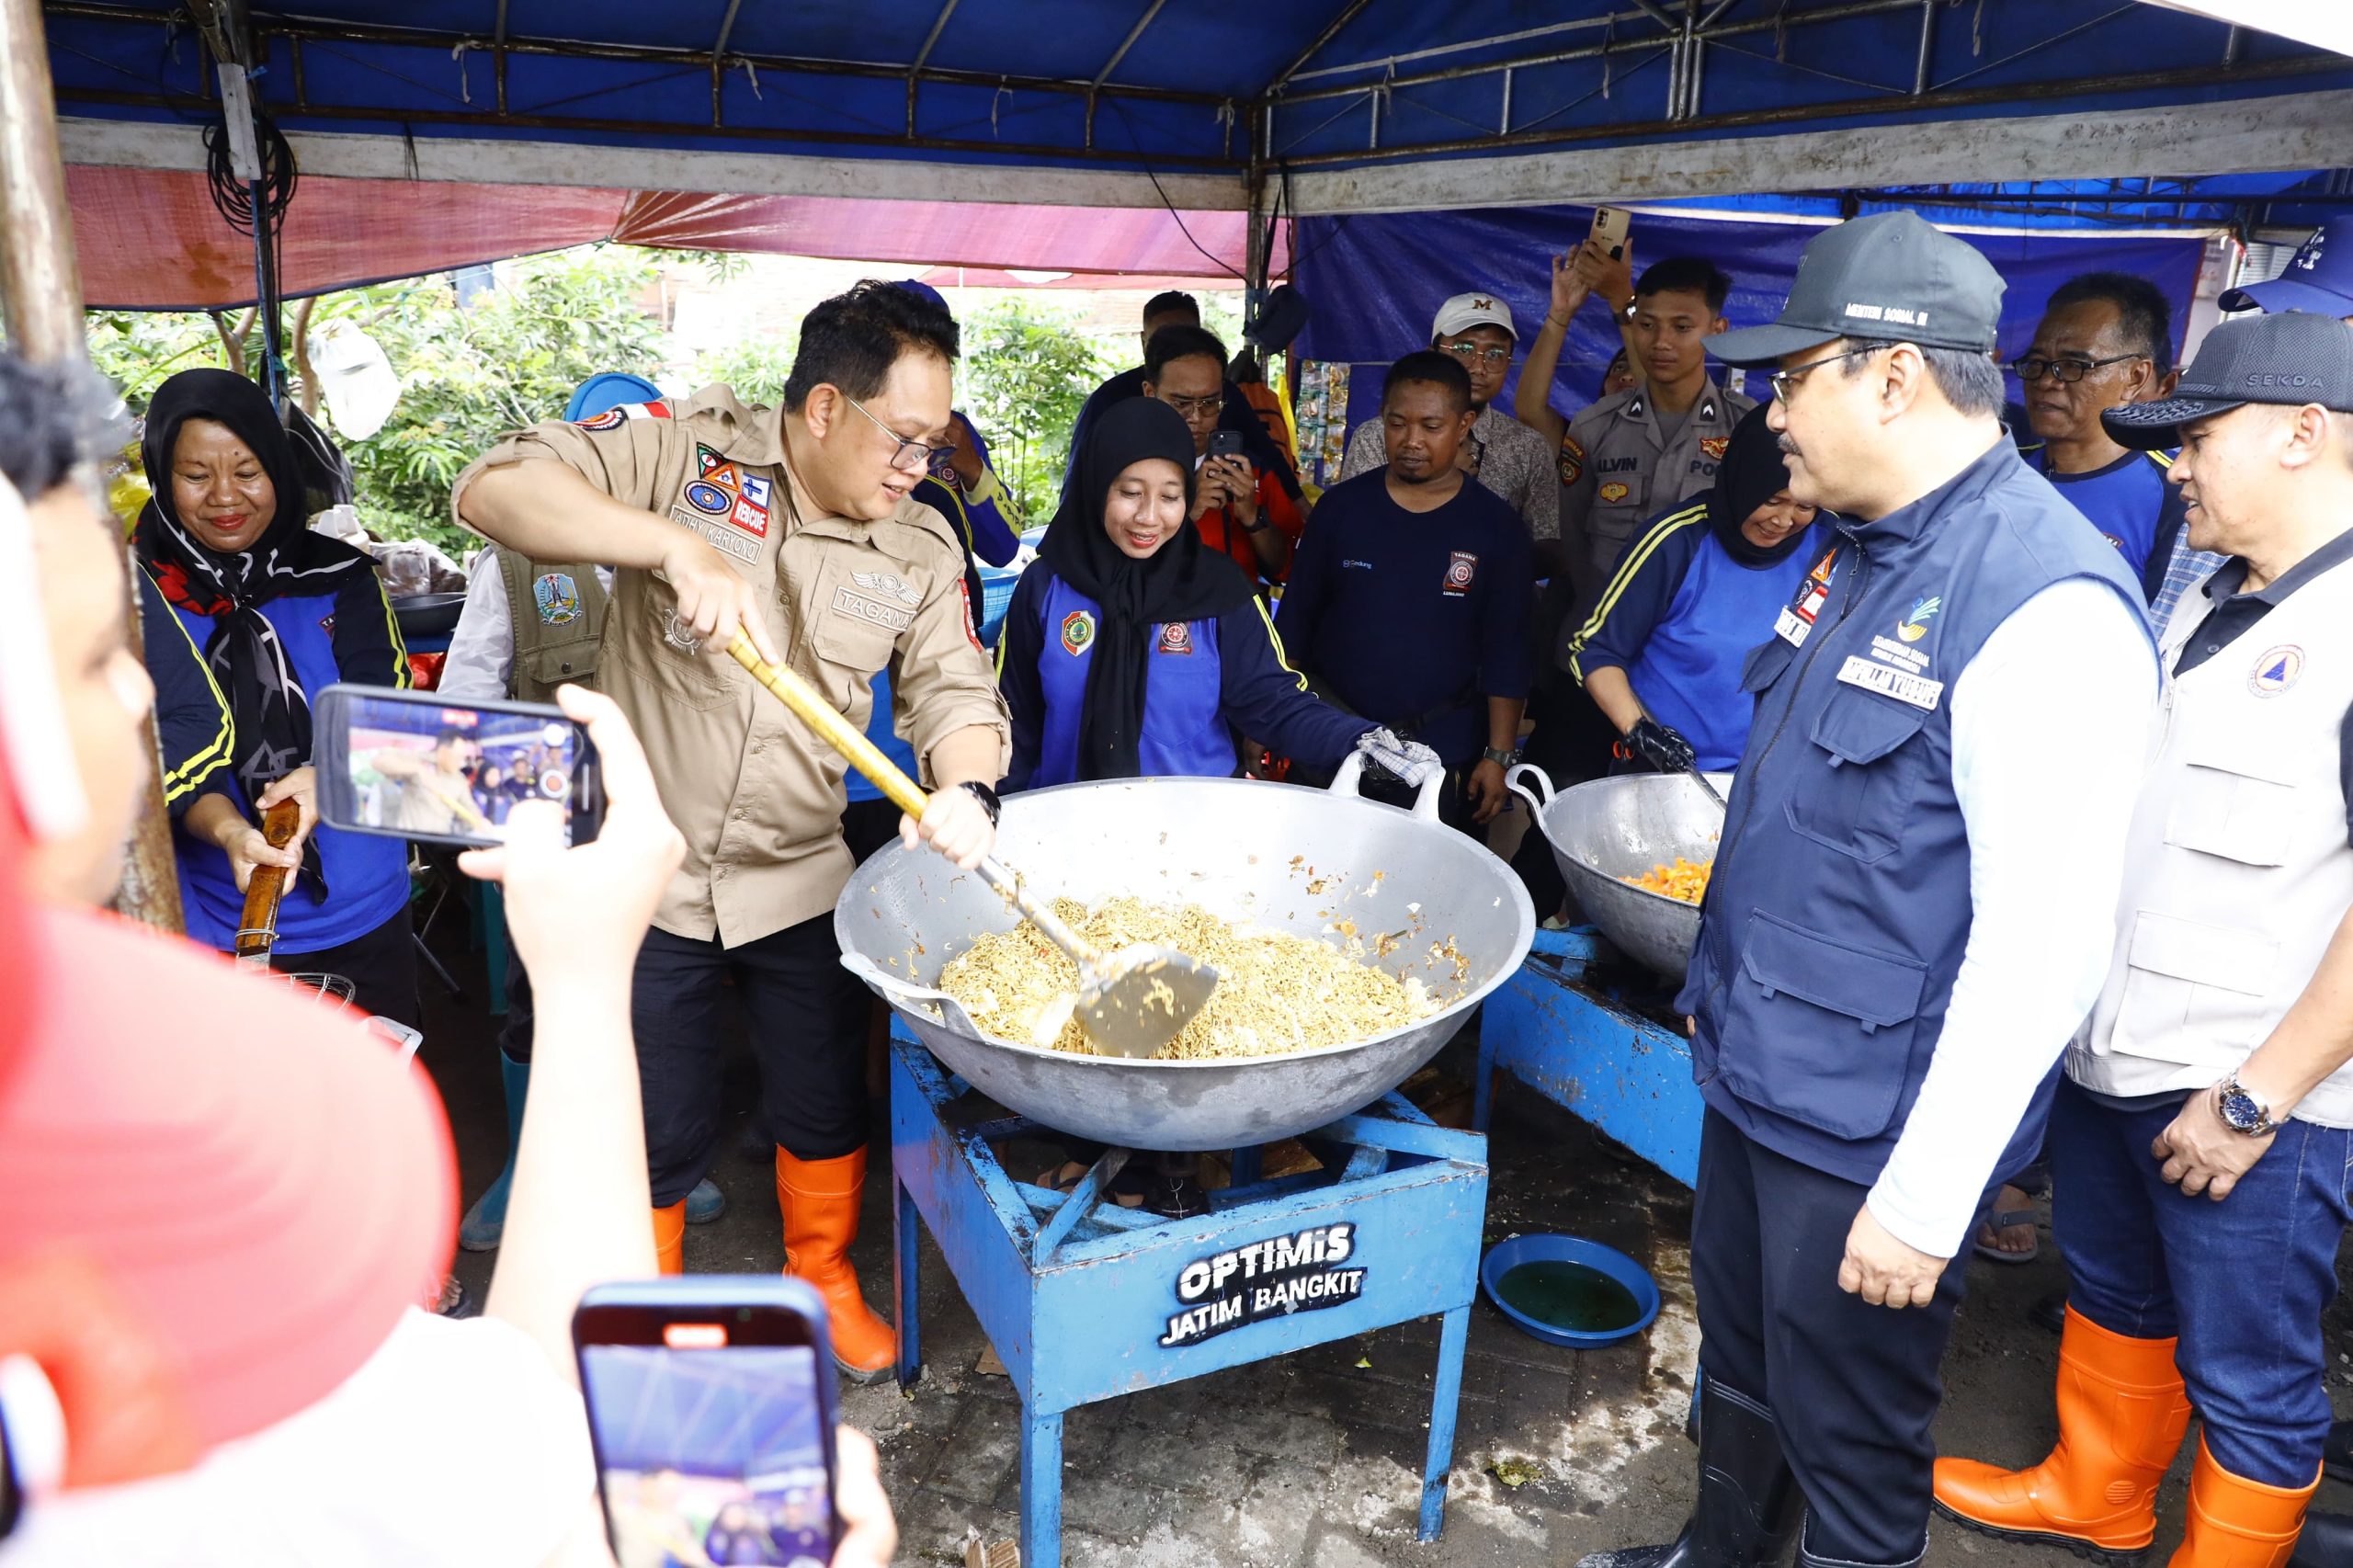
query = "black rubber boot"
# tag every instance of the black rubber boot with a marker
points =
(1749, 1507)
(2326, 1542)
(2337, 1453)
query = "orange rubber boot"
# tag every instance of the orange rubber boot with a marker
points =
(670, 1237)
(2122, 1411)
(820, 1201)
(2237, 1523)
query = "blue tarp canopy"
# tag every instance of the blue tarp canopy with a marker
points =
(1347, 96)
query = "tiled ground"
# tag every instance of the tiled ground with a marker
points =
(1314, 1460)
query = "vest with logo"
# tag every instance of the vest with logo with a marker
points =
(2239, 871)
(557, 611)
(1839, 907)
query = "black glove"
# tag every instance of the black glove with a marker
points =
(1658, 748)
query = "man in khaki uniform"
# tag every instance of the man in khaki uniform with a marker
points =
(797, 526)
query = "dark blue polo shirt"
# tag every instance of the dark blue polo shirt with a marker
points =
(1413, 619)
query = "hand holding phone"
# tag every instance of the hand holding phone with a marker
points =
(584, 910)
(1610, 226)
(710, 1406)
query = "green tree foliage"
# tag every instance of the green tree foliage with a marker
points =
(754, 369)
(1027, 371)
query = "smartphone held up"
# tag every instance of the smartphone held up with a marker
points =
(711, 1406)
(410, 765)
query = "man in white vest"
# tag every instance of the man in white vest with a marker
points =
(2202, 1143)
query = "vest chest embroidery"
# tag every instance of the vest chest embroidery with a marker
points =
(557, 597)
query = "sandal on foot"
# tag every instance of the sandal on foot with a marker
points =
(2002, 1220)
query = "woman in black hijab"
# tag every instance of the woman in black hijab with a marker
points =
(276, 612)
(1132, 648)
(1706, 581)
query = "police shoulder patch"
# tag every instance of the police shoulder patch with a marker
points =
(1572, 459)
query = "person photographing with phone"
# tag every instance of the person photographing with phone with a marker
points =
(797, 526)
(1241, 512)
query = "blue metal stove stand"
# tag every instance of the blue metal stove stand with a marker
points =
(1558, 1028)
(1084, 1300)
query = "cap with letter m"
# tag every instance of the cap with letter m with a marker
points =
(2293, 357)
(1891, 275)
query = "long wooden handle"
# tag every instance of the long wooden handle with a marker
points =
(820, 716)
(258, 931)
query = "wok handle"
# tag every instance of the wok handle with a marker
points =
(257, 931)
(1344, 779)
(836, 731)
(1015, 890)
(1543, 783)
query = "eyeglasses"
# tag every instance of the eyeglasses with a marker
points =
(2066, 372)
(1197, 407)
(1782, 380)
(913, 457)
(1494, 354)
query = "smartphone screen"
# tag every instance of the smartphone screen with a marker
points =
(417, 768)
(709, 1451)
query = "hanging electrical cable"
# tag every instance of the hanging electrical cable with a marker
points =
(256, 207)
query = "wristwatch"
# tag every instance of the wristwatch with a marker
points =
(2241, 1111)
(1500, 758)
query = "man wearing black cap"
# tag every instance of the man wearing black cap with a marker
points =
(2216, 1058)
(1912, 905)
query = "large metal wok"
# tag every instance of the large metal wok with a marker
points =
(1285, 858)
(1611, 828)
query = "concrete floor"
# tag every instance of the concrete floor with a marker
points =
(1314, 1459)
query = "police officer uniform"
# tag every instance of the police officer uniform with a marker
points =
(758, 797)
(1825, 984)
(2240, 876)
(1617, 470)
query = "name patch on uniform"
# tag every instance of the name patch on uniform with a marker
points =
(1078, 632)
(874, 612)
(1889, 681)
(1614, 491)
(1177, 640)
(1571, 460)
(1461, 569)
(558, 598)
(2276, 670)
(727, 541)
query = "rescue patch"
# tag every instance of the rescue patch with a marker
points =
(2277, 670)
(1571, 460)
(1889, 681)
(1461, 569)
(1615, 491)
(558, 598)
(751, 513)
(1078, 631)
(887, 586)
(608, 420)
(1714, 447)
(1915, 626)
(707, 497)
(1177, 640)
(874, 612)
(615, 417)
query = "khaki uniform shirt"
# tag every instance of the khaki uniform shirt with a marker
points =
(1617, 472)
(756, 794)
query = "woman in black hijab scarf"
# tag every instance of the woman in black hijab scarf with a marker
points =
(1132, 649)
(1706, 581)
(277, 611)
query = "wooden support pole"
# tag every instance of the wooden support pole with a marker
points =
(40, 297)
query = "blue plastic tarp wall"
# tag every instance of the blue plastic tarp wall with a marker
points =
(1375, 281)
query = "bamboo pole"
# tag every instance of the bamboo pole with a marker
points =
(41, 299)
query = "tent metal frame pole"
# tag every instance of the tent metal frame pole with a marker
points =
(1332, 29)
(40, 298)
(1927, 48)
(1949, 98)
(718, 61)
(423, 39)
(497, 57)
(922, 57)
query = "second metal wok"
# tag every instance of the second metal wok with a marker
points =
(1278, 856)
(1607, 829)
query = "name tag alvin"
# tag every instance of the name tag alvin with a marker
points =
(1917, 691)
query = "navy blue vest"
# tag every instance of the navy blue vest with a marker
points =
(1839, 908)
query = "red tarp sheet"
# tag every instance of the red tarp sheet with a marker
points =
(151, 240)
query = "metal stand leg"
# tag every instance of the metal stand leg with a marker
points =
(1443, 1400)
(1246, 1166)
(906, 1234)
(1041, 1488)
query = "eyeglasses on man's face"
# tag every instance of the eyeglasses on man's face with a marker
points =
(2066, 370)
(1479, 353)
(1782, 380)
(911, 456)
(1195, 408)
